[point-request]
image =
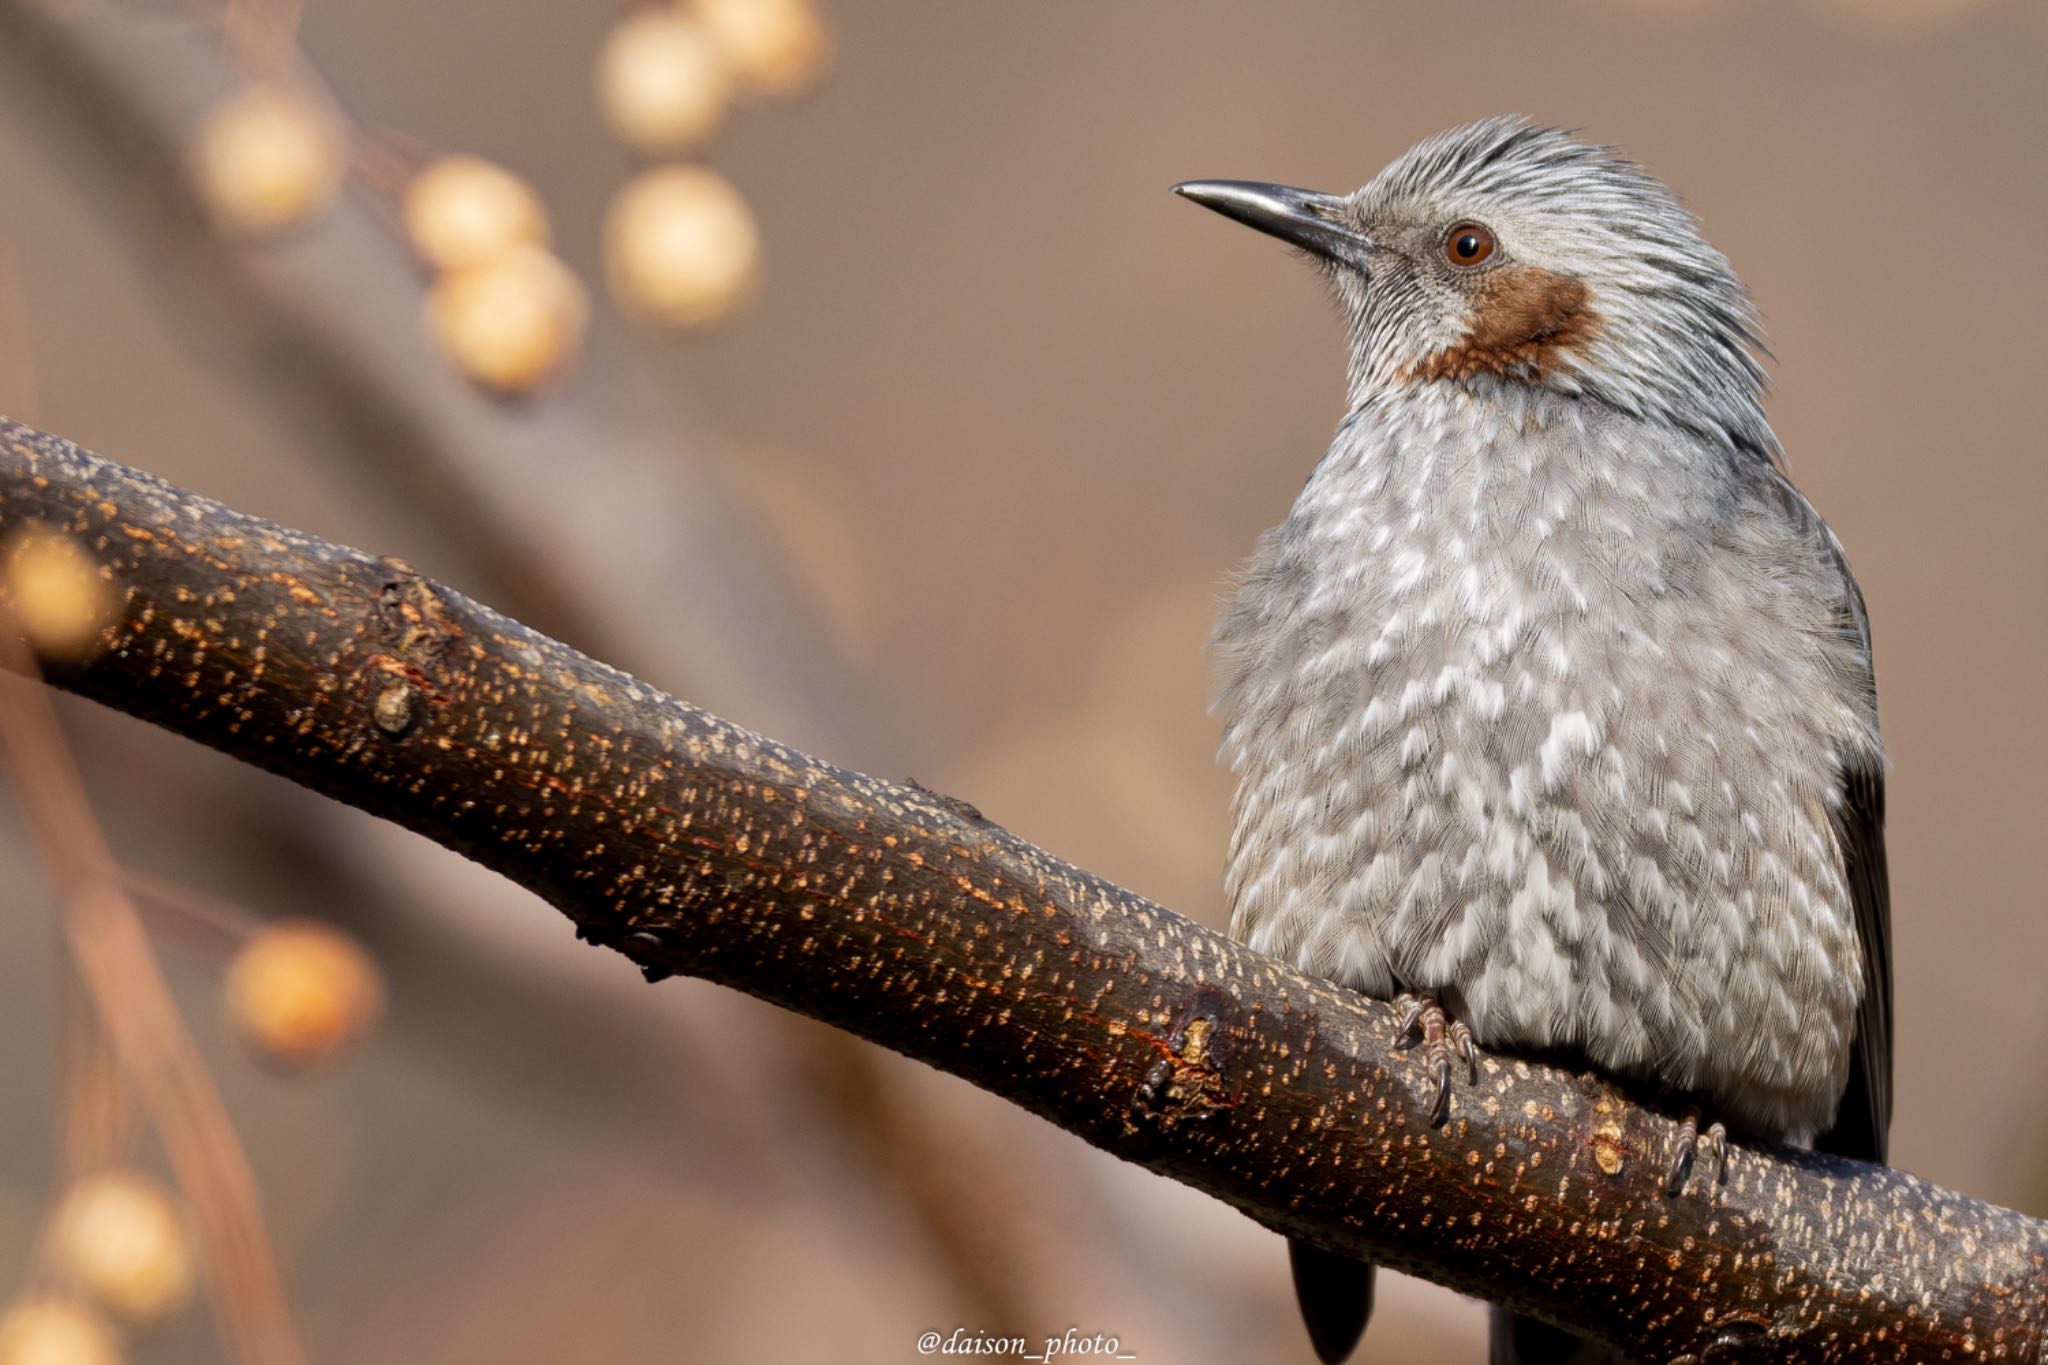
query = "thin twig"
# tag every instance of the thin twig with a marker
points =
(147, 1036)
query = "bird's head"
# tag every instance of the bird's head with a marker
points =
(1504, 253)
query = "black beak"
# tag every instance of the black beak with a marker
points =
(1311, 221)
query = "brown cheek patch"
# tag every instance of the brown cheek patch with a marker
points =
(1523, 319)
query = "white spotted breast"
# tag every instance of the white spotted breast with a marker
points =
(1545, 709)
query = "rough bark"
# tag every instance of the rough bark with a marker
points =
(695, 847)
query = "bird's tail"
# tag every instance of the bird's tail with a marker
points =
(1525, 1341)
(1335, 1294)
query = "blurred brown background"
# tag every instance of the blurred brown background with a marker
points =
(1013, 413)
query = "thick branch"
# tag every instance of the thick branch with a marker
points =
(693, 846)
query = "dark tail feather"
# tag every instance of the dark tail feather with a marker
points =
(1335, 1294)
(1525, 1341)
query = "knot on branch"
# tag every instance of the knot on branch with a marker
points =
(648, 947)
(958, 807)
(1189, 1082)
(414, 635)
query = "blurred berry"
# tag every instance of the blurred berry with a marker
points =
(267, 159)
(662, 86)
(120, 1238)
(56, 1332)
(680, 248)
(778, 48)
(300, 993)
(55, 592)
(511, 323)
(464, 211)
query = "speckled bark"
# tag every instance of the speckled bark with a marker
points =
(693, 846)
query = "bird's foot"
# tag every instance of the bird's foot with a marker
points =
(1443, 1041)
(1686, 1144)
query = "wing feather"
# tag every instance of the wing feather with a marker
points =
(1863, 1122)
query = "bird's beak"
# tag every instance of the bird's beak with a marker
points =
(1314, 222)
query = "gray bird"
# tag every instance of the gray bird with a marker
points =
(1550, 702)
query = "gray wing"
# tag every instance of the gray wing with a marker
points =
(1863, 1122)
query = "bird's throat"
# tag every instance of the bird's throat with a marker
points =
(1525, 320)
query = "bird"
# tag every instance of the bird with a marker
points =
(1550, 702)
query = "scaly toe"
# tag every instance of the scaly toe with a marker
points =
(1461, 1039)
(1717, 1143)
(1412, 1008)
(1684, 1144)
(1681, 1166)
(1444, 1042)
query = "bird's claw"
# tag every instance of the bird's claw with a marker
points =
(1685, 1145)
(1444, 1040)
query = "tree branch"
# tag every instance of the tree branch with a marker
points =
(693, 846)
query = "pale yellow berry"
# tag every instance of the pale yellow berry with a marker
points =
(680, 247)
(662, 86)
(300, 993)
(56, 1332)
(121, 1240)
(511, 323)
(778, 48)
(463, 210)
(55, 594)
(267, 159)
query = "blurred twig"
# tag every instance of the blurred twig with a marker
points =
(692, 845)
(136, 1023)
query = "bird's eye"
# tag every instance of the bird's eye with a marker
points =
(1467, 245)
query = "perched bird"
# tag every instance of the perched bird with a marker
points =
(1550, 702)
